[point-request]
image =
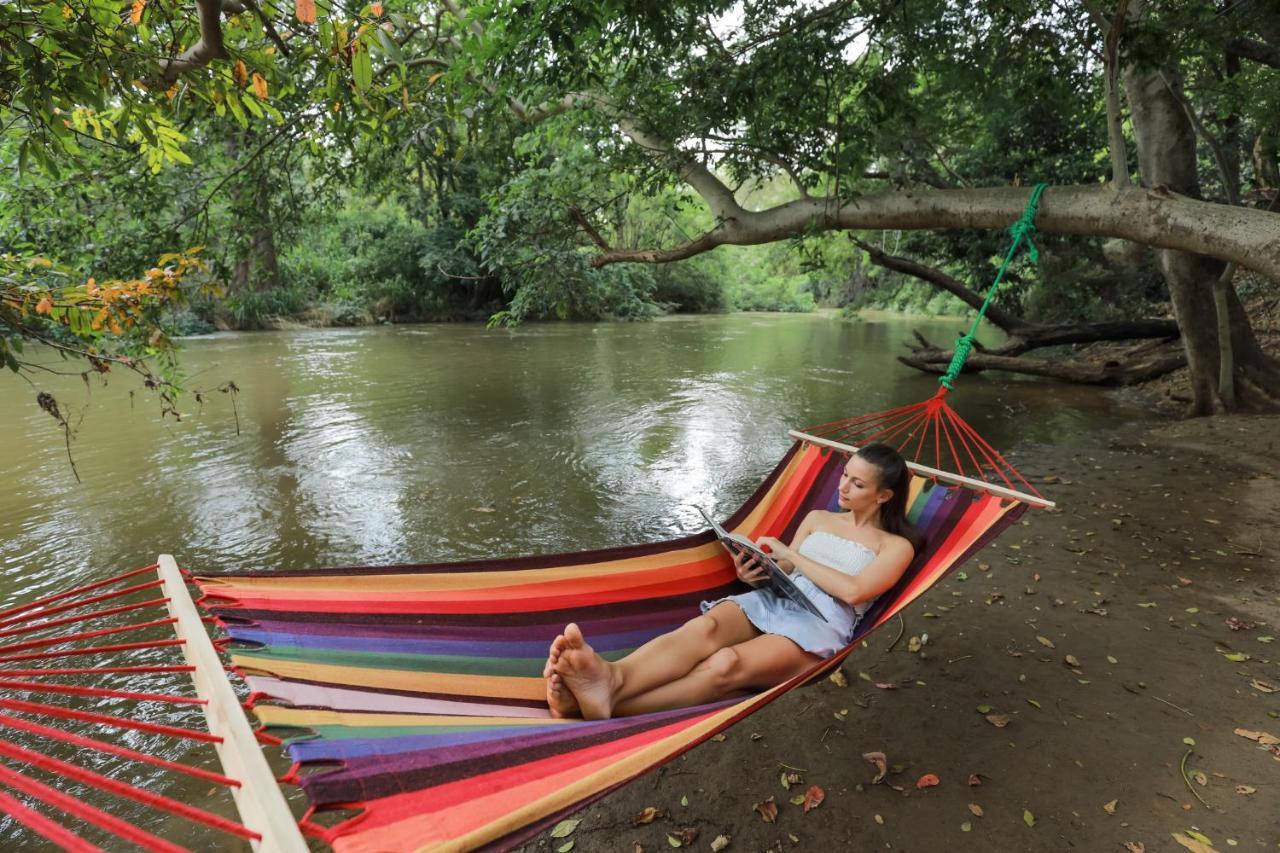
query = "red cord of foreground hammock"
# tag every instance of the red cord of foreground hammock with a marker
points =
(93, 599)
(76, 690)
(111, 748)
(107, 720)
(87, 635)
(113, 786)
(83, 617)
(92, 650)
(86, 812)
(89, 587)
(88, 670)
(42, 826)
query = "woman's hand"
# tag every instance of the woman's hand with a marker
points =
(749, 569)
(775, 548)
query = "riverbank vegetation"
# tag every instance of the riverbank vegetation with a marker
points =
(560, 160)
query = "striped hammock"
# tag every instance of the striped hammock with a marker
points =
(413, 695)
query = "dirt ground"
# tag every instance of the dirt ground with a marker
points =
(1121, 639)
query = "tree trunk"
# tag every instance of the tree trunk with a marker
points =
(1167, 159)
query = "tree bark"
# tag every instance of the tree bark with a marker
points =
(1140, 365)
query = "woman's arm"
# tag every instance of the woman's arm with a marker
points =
(783, 559)
(876, 578)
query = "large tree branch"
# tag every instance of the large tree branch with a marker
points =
(1154, 217)
(1257, 51)
(938, 278)
(207, 49)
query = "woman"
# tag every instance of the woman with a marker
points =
(752, 641)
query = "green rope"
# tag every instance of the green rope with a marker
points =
(1020, 230)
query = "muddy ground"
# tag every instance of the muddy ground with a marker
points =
(1121, 639)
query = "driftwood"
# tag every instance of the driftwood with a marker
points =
(1111, 366)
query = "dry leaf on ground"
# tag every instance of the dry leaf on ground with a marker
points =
(975, 809)
(1110, 808)
(1246, 789)
(998, 720)
(1193, 844)
(719, 843)
(881, 763)
(1261, 737)
(974, 780)
(768, 810)
(1045, 641)
(928, 780)
(813, 798)
(645, 816)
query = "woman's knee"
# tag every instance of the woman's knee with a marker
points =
(705, 628)
(725, 668)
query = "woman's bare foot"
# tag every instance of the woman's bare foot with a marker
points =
(561, 702)
(589, 677)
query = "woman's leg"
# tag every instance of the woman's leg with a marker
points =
(757, 664)
(598, 685)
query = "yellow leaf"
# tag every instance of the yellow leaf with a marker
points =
(305, 10)
(135, 14)
(241, 73)
(434, 77)
(259, 86)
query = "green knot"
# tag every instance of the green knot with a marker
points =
(964, 346)
(1026, 224)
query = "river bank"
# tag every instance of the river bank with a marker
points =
(1090, 669)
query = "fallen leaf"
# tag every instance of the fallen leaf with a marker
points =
(914, 644)
(974, 780)
(1184, 581)
(1262, 686)
(1110, 808)
(646, 816)
(886, 685)
(768, 810)
(1246, 790)
(1028, 818)
(1146, 604)
(975, 809)
(1261, 737)
(966, 826)
(1135, 847)
(686, 834)
(566, 847)
(1072, 660)
(998, 720)
(984, 709)
(719, 843)
(1033, 703)
(1236, 657)
(1189, 741)
(1045, 641)
(837, 678)
(789, 778)
(1235, 623)
(881, 763)
(718, 738)
(928, 780)
(564, 828)
(813, 798)
(684, 801)
(1193, 841)
(673, 841)
(879, 819)
(1200, 778)
(1110, 659)
(797, 800)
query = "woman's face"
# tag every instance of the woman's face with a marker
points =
(860, 486)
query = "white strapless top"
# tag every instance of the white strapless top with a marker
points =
(844, 555)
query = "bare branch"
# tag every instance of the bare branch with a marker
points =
(207, 49)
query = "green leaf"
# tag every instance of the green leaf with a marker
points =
(564, 828)
(1028, 818)
(566, 847)
(362, 68)
(1189, 741)
(984, 709)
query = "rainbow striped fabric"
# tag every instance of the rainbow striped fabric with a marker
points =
(419, 687)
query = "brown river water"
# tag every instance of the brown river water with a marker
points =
(447, 442)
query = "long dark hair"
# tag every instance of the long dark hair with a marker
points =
(894, 475)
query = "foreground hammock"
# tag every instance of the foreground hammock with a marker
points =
(423, 683)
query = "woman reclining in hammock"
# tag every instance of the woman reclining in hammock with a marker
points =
(753, 641)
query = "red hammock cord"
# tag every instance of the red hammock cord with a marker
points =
(929, 433)
(44, 827)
